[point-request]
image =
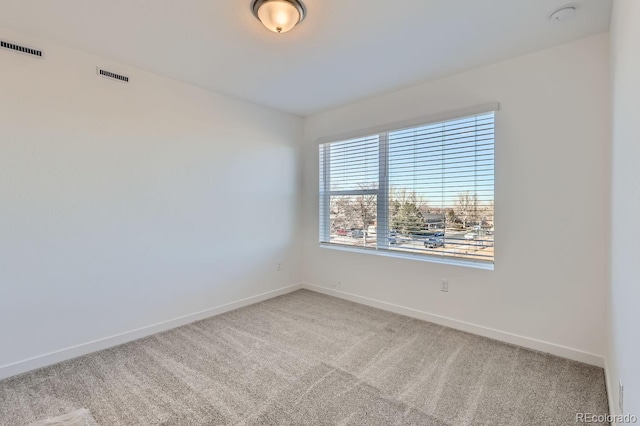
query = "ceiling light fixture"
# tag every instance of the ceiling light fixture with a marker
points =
(279, 16)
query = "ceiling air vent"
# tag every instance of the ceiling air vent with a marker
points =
(113, 75)
(21, 49)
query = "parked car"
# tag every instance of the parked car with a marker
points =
(341, 232)
(356, 233)
(470, 236)
(393, 238)
(434, 242)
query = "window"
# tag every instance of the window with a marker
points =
(425, 190)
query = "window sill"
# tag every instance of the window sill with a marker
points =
(419, 257)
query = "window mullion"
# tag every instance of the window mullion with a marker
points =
(325, 189)
(383, 192)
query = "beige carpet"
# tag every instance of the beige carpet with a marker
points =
(305, 359)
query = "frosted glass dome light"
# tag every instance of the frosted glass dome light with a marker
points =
(278, 16)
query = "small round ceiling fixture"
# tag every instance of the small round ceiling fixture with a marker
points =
(563, 14)
(279, 16)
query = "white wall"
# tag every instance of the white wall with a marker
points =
(552, 181)
(624, 349)
(124, 205)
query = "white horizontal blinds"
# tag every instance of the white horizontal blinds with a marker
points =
(354, 164)
(441, 181)
(349, 189)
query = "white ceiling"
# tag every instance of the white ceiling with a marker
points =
(345, 50)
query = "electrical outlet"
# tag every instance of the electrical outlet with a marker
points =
(444, 286)
(279, 266)
(621, 397)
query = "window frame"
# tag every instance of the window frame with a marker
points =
(382, 192)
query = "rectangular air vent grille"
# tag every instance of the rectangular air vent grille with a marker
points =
(113, 75)
(22, 49)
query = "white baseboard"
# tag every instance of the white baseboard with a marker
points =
(514, 339)
(55, 357)
(50, 358)
(611, 388)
